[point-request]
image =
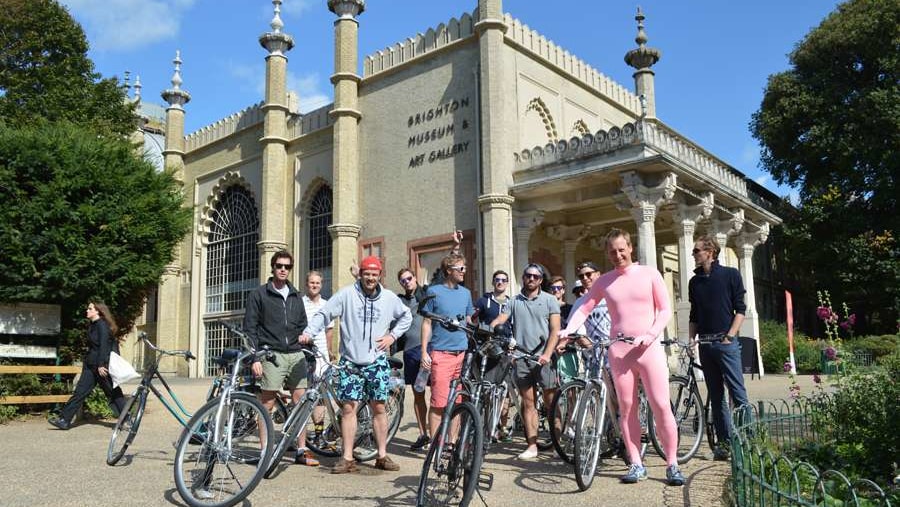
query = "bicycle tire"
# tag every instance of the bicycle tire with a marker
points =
(126, 427)
(565, 401)
(689, 419)
(452, 480)
(544, 439)
(589, 427)
(296, 420)
(711, 436)
(394, 408)
(241, 454)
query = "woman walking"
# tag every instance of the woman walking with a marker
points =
(95, 370)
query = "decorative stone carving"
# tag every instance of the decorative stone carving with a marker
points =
(347, 9)
(488, 202)
(641, 195)
(344, 230)
(276, 42)
(568, 232)
(175, 96)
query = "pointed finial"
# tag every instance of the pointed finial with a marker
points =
(137, 88)
(127, 82)
(176, 77)
(641, 38)
(277, 24)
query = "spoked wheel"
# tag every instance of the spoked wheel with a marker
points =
(589, 425)
(234, 452)
(450, 472)
(126, 427)
(365, 448)
(394, 408)
(689, 419)
(562, 411)
(545, 440)
(514, 417)
(288, 435)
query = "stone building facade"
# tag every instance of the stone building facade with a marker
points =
(479, 124)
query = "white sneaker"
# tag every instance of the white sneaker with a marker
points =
(528, 454)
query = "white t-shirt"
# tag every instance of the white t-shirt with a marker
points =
(319, 339)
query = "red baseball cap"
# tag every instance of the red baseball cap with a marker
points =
(371, 262)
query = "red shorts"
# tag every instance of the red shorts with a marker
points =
(445, 366)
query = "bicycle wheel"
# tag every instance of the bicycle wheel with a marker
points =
(451, 477)
(394, 407)
(126, 426)
(588, 434)
(689, 419)
(232, 457)
(295, 422)
(514, 417)
(544, 441)
(711, 436)
(324, 437)
(562, 410)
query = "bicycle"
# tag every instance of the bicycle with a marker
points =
(327, 440)
(592, 422)
(452, 459)
(129, 420)
(222, 452)
(692, 413)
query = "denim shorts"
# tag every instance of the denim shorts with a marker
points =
(364, 382)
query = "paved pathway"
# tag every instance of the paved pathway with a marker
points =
(45, 466)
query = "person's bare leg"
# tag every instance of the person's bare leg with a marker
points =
(420, 408)
(529, 417)
(348, 427)
(380, 426)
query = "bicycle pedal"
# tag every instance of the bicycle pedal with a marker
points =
(485, 481)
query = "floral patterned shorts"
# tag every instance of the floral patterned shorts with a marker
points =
(364, 382)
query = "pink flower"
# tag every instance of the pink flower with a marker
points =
(830, 353)
(851, 319)
(787, 366)
(817, 379)
(824, 313)
(846, 325)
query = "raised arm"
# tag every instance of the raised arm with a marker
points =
(580, 314)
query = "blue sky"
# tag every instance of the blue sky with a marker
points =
(716, 56)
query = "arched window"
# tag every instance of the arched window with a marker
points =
(319, 237)
(232, 267)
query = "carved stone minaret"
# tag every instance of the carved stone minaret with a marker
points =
(497, 115)
(173, 155)
(168, 319)
(345, 169)
(276, 187)
(642, 58)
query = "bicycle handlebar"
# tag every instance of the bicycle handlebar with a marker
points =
(187, 354)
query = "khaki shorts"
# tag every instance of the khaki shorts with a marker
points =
(289, 374)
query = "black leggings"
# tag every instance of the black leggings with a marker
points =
(90, 378)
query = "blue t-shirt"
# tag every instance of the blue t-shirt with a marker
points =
(448, 303)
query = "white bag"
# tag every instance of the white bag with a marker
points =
(120, 370)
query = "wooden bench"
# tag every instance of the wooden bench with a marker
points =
(42, 398)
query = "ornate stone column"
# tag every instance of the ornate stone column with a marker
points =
(747, 242)
(524, 224)
(168, 330)
(570, 236)
(723, 228)
(496, 212)
(346, 115)
(645, 202)
(275, 205)
(642, 58)
(686, 218)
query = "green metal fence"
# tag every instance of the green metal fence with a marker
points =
(763, 475)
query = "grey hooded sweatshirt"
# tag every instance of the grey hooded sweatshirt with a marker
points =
(364, 319)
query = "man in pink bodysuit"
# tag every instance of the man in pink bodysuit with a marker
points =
(639, 307)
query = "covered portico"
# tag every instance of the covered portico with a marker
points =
(645, 178)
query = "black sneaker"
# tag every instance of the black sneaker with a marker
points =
(421, 443)
(721, 453)
(60, 423)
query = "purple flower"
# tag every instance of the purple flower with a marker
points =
(830, 353)
(824, 313)
(851, 319)
(787, 366)
(817, 379)
(846, 325)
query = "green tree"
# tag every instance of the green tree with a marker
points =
(45, 74)
(83, 217)
(830, 127)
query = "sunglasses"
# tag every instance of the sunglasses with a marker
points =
(557, 288)
(501, 280)
(586, 274)
(288, 267)
(406, 280)
(696, 251)
(461, 269)
(532, 276)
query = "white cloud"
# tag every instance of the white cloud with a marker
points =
(749, 155)
(122, 25)
(762, 180)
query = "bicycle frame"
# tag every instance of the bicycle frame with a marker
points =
(179, 412)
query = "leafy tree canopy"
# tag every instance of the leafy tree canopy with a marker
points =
(45, 74)
(83, 218)
(830, 126)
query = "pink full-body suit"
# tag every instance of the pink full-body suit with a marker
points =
(638, 306)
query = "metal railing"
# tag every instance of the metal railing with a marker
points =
(763, 475)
